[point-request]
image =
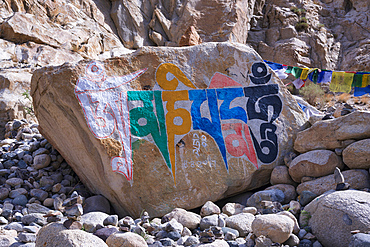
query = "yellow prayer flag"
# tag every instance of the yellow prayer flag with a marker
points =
(341, 82)
(365, 80)
(304, 74)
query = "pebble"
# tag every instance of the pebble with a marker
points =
(111, 220)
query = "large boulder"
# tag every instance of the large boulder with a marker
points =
(316, 163)
(334, 215)
(218, 112)
(357, 155)
(331, 134)
(358, 179)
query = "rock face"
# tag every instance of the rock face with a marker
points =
(165, 22)
(357, 155)
(335, 215)
(312, 33)
(155, 153)
(315, 163)
(331, 134)
(34, 34)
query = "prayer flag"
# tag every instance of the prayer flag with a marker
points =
(274, 66)
(289, 70)
(304, 74)
(324, 76)
(359, 91)
(365, 80)
(314, 75)
(357, 80)
(296, 72)
(298, 83)
(341, 82)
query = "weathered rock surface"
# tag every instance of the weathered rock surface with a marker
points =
(331, 134)
(357, 155)
(358, 179)
(165, 22)
(316, 163)
(176, 168)
(338, 213)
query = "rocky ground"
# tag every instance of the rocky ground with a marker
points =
(44, 204)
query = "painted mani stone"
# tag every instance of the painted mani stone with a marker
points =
(175, 107)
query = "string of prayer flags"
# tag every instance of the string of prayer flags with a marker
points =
(340, 81)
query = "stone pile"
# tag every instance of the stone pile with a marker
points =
(34, 179)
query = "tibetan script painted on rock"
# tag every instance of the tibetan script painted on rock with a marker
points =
(176, 107)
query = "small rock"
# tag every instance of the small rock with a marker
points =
(111, 220)
(105, 232)
(74, 211)
(20, 200)
(39, 194)
(209, 208)
(3, 221)
(208, 221)
(174, 235)
(250, 210)
(37, 208)
(173, 225)
(305, 243)
(14, 226)
(273, 195)
(241, 222)
(263, 241)
(306, 197)
(302, 233)
(97, 204)
(280, 175)
(185, 218)
(31, 229)
(276, 227)
(41, 161)
(14, 181)
(48, 202)
(34, 218)
(27, 237)
(125, 239)
(293, 240)
(191, 240)
(230, 236)
(232, 208)
(4, 193)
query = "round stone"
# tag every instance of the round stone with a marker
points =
(20, 200)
